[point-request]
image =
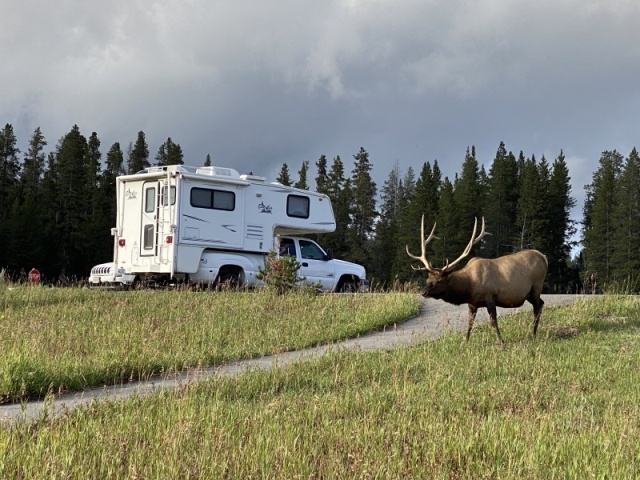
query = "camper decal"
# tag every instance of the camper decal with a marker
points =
(130, 194)
(264, 208)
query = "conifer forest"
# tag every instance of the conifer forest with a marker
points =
(57, 208)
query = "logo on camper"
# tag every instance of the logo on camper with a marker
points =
(130, 194)
(264, 208)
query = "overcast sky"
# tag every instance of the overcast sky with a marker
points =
(259, 83)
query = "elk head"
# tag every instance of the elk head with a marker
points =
(437, 281)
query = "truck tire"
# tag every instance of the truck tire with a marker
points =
(228, 281)
(349, 286)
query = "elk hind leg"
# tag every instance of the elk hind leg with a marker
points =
(493, 315)
(537, 302)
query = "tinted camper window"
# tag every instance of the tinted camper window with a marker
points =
(214, 199)
(298, 206)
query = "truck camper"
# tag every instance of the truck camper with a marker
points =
(210, 225)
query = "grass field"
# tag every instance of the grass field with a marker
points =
(69, 339)
(562, 406)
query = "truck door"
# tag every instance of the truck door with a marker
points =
(314, 265)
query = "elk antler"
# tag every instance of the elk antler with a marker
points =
(472, 242)
(424, 242)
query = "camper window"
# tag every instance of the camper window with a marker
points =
(298, 206)
(150, 200)
(215, 199)
(171, 198)
(149, 234)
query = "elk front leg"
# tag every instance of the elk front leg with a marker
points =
(472, 316)
(493, 315)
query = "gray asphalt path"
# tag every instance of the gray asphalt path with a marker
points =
(433, 320)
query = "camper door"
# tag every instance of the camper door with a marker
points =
(158, 199)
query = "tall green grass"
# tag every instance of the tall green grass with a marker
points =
(56, 340)
(562, 406)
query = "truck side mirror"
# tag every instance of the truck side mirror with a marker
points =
(329, 255)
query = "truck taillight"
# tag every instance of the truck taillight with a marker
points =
(122, 242)
(169, 238)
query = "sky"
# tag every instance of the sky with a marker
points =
(259, 83)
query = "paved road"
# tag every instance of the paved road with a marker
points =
(434, 319)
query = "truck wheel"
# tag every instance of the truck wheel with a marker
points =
(228, 281)
(348, 287)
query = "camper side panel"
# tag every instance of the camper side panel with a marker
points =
(211, 214)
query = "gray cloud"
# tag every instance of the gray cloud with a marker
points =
(256, 84)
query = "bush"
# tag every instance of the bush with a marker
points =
(280, 273)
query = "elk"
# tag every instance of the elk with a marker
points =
(505, 281)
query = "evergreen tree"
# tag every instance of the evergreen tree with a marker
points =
(558, 207)
(449, 246)
(401, 270)
(625, 256)
(138, 155)
(322, 179)
(599, 226)
(339, 191)
(34, 160)
(284, 177)
(169, 153)
(302, 176)
(386, 236)
(9, 170)
(207, 161)
(424, 202)
(502, 201)
(531, 218)
(468, 199)
(363, 213)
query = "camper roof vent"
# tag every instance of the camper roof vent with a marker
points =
(218, 172)
(250, 177)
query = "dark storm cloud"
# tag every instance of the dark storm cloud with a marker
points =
(256, 84)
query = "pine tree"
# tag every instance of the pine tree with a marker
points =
(34, 160)
(207, 161)
(502, 201)
(625, 258)
(598, 223)
(169, 153)
(339, 191)
(363, 211)
(322, 179)
(9, 167)
(386, 235)
(284, 177)
(561, 228)
(468, 199)
(531, 218)
(139, 155)
(302, 176)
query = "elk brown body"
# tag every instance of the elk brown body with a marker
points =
(505, 282)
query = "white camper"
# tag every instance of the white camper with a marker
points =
(211, 224)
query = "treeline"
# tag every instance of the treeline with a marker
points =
(526, 203)
(57, 209)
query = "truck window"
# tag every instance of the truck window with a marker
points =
(311, 251)
(298, 206)
(214, 199)
(287, 247)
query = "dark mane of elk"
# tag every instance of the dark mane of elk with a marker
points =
(505, 282)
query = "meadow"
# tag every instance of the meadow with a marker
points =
(58, 340)
(562, 406)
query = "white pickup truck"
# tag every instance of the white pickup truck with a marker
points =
(218, 266)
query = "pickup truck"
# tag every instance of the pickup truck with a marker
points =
(219, 266)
